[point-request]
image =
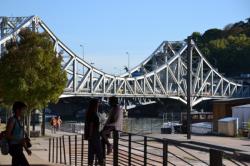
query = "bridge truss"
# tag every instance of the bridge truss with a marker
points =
(162, 75)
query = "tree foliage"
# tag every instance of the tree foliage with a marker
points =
(227, 49)
(30, 71)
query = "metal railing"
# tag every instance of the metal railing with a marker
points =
(133, 149)
(70, 127)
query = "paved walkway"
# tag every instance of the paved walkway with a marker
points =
(233, 144)
(39, 150)
(40, 145)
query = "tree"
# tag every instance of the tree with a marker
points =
(227, 49)
(30, 71)
(212, 34)
(232, 51)
(196, 36)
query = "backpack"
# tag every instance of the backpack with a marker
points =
(4, 142)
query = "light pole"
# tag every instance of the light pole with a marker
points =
(82, 55)
(82, 51)
(128, 60)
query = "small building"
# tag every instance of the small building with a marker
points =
(242, 112)
(223, 108)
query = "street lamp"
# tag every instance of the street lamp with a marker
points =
(82, 51)
(82, 55)
(128, 59)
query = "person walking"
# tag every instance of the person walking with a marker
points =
(53, 123)
(16, 136)
(58, 123)
(92, 134)
(114, 122)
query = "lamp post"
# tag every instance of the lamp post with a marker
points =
(82, 51)
(128, 60)
(82, 55)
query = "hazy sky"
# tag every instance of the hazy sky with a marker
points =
(110, 28)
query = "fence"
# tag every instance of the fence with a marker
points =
(142, 125)
(70, 127)
(132, 125)
(133, 149)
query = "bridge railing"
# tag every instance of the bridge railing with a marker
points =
(133, 149)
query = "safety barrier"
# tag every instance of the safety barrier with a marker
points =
(133, 149)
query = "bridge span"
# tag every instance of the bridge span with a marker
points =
(164, 74)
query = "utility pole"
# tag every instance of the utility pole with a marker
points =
(189, 85)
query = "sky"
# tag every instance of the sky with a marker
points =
(109, 30)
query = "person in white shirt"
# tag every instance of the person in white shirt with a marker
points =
(114, 122)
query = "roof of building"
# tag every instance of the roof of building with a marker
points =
(242, 106)
(231, 99)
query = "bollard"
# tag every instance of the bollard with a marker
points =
(69, 150)
(129, 149)
(53, 150)
(64, 152)
(145, 151)
(49, 149)
(82, 148)
(115, 147)
(60, 148)
(75, 150)
(165, 152)
(215, 157)
(56, 149)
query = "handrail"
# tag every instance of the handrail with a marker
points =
(130, 149)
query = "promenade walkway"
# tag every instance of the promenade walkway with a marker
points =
(40, 146)
(39, 150)
(240, 144)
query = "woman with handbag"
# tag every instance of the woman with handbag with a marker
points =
(16, 136)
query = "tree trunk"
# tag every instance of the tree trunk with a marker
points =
(33, 127)
(28, 123)
(43, 123)
(33, 120)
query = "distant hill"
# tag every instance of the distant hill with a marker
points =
(227, 49)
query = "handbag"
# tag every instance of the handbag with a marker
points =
(27, 141)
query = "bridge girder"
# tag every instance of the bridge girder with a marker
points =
(162, 75)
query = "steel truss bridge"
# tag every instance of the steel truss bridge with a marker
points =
(164, 74)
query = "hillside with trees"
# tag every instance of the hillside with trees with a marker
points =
(227, 49)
